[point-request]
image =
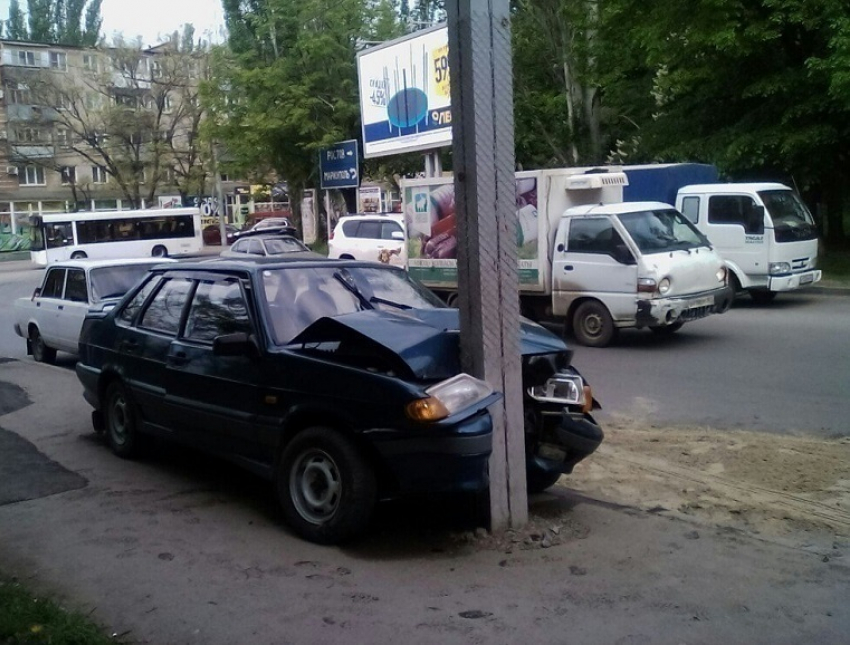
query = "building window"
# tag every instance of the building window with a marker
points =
(225, 176)
(31, 175)
(28, 135)
(98, 175)
(167, 103)
(63, 138)
(20, 95)
(69, 175)
(59, 61)
(26, 58)
(90, 63)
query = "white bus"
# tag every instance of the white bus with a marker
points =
(115, 234)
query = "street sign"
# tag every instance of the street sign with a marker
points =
(339, 166)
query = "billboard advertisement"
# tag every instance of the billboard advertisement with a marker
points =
(405, 101)
(431, 222)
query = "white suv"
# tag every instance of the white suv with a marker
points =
(376, 238)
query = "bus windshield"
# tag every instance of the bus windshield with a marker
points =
(658, 231)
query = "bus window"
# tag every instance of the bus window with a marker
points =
(59, 234)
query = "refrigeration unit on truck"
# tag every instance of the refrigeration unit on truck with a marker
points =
(763, 230)
(584, 256)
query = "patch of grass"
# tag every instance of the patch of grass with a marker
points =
(319, 246)
(26, 619)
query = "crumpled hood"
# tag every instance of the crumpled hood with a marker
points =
(425, 341)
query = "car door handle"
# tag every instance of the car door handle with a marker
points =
(568, 267)
(61, 307)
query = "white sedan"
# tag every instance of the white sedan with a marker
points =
(51, 319)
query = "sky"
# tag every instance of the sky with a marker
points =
(150, 18)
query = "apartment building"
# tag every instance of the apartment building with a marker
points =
(97, 129)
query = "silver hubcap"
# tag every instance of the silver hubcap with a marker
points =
(593, 325)
(118, 420)
(315, 486)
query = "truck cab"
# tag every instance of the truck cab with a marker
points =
(635, 264)
(763, 230)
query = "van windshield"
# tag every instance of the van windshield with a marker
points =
(657, 231)
(791, 219)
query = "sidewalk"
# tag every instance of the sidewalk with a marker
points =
(182, 549)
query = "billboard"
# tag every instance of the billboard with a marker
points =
(405, 99)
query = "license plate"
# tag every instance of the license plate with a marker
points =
(701, 302)
(807, 278)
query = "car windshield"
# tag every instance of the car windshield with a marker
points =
(284, 245)
(296, 297)
(115, 281)
(658, 231)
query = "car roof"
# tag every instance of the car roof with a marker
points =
(396, 217)
(298, 259)
(113, 262)
(617, 208)
(270, 236)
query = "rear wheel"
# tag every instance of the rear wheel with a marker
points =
(121, 427)
(41, 352)
(159, 251)
(78, 255)
(326, 487)
(593, 325)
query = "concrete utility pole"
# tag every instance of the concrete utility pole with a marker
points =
(485, 198)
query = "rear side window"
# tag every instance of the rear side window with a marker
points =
(165, 310)
(690, 208)
(217, 308)
(350, 228)
(53, 284)
(369, 229)
(75, 289)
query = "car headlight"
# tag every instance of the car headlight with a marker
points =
(664, 286)
(448, 397)
(778, 268)
(564, 389)
(721, 275)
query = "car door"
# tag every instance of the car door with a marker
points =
(393, 249)
(217, 396)
(143, 345)
(72, 310)
(48, 303)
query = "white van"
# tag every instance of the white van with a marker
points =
(763, 230)
(634, 264)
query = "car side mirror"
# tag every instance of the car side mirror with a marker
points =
(397, 235)
(36, 293)
(236, 344)
(623, 255)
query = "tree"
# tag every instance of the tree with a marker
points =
(286, 84)
(137, 118)
(16, 26)
(55, 21)
(41, 27)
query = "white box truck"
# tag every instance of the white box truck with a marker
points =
(584, 256)
(763, 230)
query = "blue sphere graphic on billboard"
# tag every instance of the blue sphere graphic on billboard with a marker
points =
(408, 107)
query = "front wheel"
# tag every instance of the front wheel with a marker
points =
(537, 480)
(326, 487)
(159, 251)
(41, 353)
(593, 325)
(121, 425)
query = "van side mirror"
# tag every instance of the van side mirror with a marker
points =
(755, 220)
(623, 255)
(397, 235)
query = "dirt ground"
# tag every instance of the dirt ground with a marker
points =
(788, 489)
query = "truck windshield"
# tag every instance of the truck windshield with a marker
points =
(658, 231)
(792, 221)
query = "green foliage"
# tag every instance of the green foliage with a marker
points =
(28, 620)
(55, 21)
(16, 26)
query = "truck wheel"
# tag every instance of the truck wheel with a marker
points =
(159, 251)
(78, 255)
(41, 352)
(762, 296)
(122, 433)
(538, 480)
(593, 325)
(326, 487)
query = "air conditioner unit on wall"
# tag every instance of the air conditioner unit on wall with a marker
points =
(11, 170)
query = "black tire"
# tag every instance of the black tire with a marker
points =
(593, 325)
(346, 256)
(119, 414)
(326, 487)
(538, 480)
(41, 353)
(159, 251)
(762, 296)
(668, 330)
(78, 255)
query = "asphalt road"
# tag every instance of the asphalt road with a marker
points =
(782, 368)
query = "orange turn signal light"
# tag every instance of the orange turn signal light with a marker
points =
(430, 409)
(588, 400)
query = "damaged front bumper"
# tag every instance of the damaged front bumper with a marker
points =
(568, 438)
(660, 312)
